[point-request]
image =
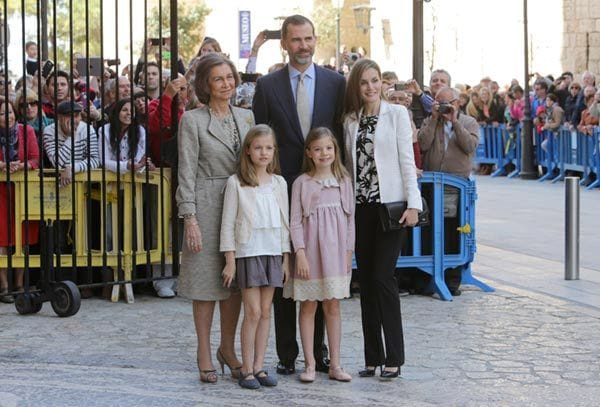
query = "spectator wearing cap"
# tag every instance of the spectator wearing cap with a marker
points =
(70, 144)
(29, 110)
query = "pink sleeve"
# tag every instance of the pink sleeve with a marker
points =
(350, 242)
(296, 229)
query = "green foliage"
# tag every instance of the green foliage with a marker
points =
(323, 18)
(62, 49)
(190, 16)
(190, 24)
(14, 7)
(80, 38)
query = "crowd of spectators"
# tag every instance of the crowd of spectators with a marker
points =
(128, 116)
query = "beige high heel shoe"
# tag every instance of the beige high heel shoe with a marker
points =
(236, 372)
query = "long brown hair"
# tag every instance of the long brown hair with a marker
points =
(308, 166)
(353, 102)
(245, 169)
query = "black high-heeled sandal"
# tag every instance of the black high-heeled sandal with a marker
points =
(368, 372)
(389, 374)
(236, 372)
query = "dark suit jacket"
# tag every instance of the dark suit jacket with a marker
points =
(274, 105)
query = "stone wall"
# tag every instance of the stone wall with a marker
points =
(581, 45)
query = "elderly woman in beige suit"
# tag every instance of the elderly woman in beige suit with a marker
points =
(209, 145)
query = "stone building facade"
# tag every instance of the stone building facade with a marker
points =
(581, 38)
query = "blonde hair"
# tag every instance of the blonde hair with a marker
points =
(474, 105)
(308, 166)
(490, 100)
(245, 169)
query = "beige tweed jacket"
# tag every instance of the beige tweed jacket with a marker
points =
(206, 160)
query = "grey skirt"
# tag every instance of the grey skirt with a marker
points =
(259, 271)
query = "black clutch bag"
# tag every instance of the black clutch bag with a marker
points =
(391, 212)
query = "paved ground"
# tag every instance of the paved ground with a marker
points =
(535, 341)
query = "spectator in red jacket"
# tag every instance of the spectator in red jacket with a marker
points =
(163, 145)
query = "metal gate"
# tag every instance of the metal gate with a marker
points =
(68, 219)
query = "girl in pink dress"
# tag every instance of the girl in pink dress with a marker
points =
(322, 232)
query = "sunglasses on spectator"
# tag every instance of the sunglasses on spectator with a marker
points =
(30, 104)
(3, 83)
(575, 87)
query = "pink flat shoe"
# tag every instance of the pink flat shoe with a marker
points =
(337, 373)
(308, 376)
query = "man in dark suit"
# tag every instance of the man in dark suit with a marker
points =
(292, 100)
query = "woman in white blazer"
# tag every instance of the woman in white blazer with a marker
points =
(379, 157)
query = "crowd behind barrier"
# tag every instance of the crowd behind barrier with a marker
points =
(556, 153)
(157, 92)
(38, 200)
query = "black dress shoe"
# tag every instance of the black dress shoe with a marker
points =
(367, 372)
(388, 375)
(322, 365)
(285, 368)
(455, 292)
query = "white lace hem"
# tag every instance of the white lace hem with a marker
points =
(318, 290)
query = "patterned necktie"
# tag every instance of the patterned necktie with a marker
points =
(302, 106)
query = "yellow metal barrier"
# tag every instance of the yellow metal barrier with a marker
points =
(106, 193)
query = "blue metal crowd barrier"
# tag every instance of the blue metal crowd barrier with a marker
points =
(594, 157)
(438, 262)
(546, 153)
(499, 146)
(555, 152)
(573, 154)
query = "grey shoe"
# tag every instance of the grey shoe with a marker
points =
(266, 380)
(246, 383)
(6, 298)
(165, 292)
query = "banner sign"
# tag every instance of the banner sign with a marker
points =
(245, 40)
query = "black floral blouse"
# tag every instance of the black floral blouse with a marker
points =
(367, 183)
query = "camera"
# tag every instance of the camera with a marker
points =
(354, 56)
(400, 86)
(47, 69)
(445, 108)
(272, 34)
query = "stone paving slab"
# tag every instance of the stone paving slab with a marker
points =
(537, 274)
(503, 348)
(528, 217)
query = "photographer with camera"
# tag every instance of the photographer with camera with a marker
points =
(448, 141)
(422, 101)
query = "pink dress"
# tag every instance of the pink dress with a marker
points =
(321, 222)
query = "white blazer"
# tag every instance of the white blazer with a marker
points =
(393, 150)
